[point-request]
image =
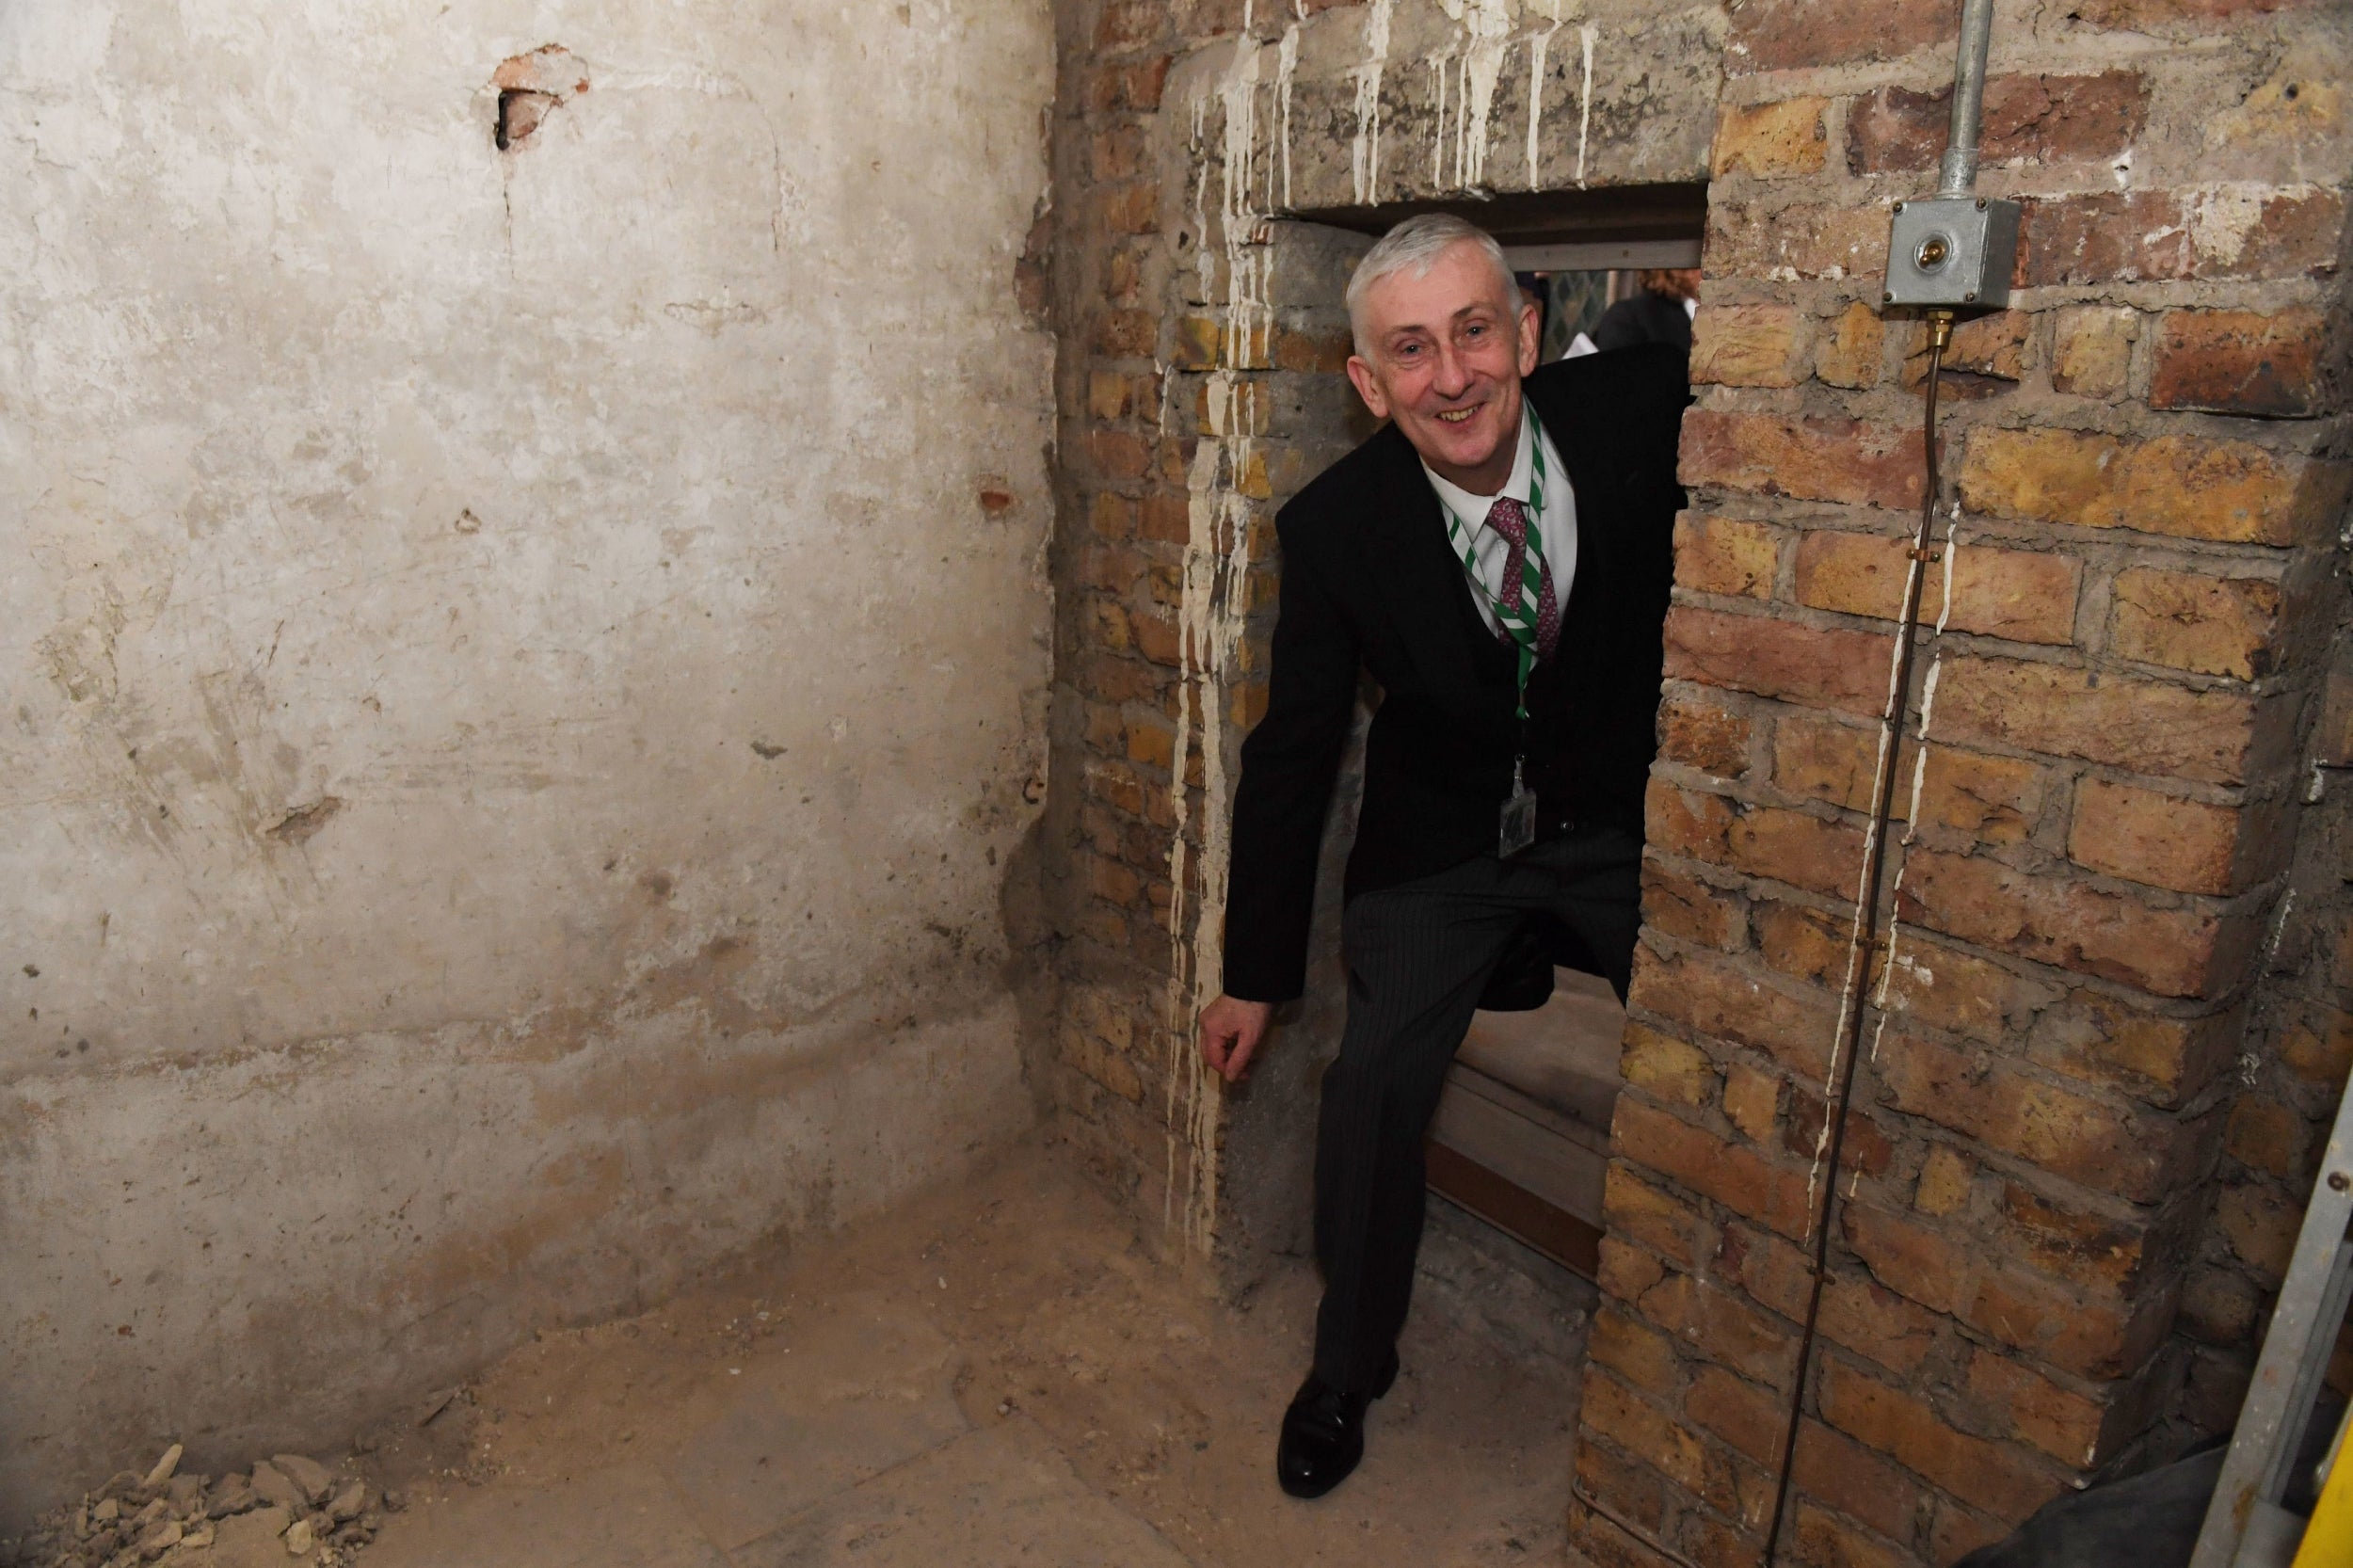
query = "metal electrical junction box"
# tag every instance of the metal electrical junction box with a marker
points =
(1951, 252)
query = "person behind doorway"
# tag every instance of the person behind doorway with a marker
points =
(1660, 310)
(1499, 558)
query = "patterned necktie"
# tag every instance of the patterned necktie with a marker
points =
(1508, 518)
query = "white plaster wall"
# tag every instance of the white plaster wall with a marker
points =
(516, 716)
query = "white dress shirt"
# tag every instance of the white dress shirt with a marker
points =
(1554, 528)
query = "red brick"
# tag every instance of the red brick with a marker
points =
(2295, 232)
(1781, 35)
(1866, 1148)
(2185, 952)
(1802, 850)
(1607, 1543)
(1697, 1159)
(2037, 1411)
(1637, 1352)
(2319, 1048)
(1752, 1419)
(1771, 140)
(2091, 1336)
(1752, 1102)
(1812, 459)
(1723, 1328)
(1851, 354)
(1992, 1476)
(1699, 731)
(1822, 1540)
(1874, 1321)
(1811, 944)
(2094, 352)
(2163, 1060)
(1992, 347)
(2240, 363)
(1633, 1491)
(2105, 237)
(2144, 726)
(2188, 620)
(1801, 240)
(1646, 1432)
(1638, 1212)
(2267, 1136)
(2142, 15)
(2024, 595)
(1836, 1470)
(1687, 907)
(1126, 23)
(1726, 555)
(1690, 822)
(1710, 996)
(2161, 840)
(1624, 1272)
(1749, 345)
(2219, 1306)
(1127, 334)
(1666, 1066)
(1772, 657)
(2259, 1224)
(2034, 118)
(1945, 988)
(2182, 486)
(2071, 1243)
(1770, 1269)
(1958, 1531)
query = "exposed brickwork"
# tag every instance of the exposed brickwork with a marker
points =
(2067, 1207)
(2078, 1151)
(1202, 343)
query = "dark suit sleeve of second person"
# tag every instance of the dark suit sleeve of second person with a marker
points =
(1287, 767)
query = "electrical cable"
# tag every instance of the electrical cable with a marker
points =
(1848, 1048)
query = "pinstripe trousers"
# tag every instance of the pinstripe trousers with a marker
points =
(1418, 955)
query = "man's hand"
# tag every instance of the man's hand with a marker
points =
(1230, 1031)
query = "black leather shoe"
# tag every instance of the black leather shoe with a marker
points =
(1324, 1434)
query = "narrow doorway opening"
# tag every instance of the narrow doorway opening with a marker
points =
(1521, 1141)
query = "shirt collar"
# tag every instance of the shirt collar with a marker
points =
(1472, 510)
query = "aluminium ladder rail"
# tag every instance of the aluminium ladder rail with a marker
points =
(2246, 1527)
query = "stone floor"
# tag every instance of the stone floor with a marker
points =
(999, 1375)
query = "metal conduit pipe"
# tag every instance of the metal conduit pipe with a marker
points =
(1958, 170)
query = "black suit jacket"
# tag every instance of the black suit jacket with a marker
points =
(1370, 582)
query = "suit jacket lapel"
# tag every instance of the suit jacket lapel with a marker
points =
(1420, 575)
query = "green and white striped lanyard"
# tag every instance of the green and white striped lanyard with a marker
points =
(1517, 619)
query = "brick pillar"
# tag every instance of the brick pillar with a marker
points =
(2045, 1267)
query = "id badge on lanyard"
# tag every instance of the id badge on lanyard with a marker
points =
(1517, 829)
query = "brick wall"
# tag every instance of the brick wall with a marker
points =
(1202, 340)
(2091, 1111)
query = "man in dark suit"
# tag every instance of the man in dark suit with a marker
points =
(1498, 556)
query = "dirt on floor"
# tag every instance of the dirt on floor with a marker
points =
(997, 1373)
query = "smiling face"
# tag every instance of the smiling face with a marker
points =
(1447, 350)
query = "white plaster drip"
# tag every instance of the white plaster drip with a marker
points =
(1365, 147)
(1487, 40)
(1858, 958)
(1539, 45)
(1210, 613)
(1286, 66)
(1439, 64)
(1585, 99)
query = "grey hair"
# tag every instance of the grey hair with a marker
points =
(1417, 243)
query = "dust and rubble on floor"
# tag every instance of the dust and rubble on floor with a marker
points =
(1001, 1370)
(287, 1509)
